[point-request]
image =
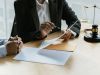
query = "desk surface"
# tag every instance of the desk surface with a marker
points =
(66, 46)
(84, 61)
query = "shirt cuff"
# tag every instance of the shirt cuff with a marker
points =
(3, 51)
(74, 34)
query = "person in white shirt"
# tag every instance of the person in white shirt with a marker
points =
(11, 47)
(35, 19)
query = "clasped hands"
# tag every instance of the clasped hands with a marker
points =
(14, 45)
(47, 27)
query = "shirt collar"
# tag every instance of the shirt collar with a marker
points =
(46, 1)
(39, 5)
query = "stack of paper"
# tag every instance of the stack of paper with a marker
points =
(43, 56)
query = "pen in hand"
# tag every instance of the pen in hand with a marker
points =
(47, 27)
(68, 29)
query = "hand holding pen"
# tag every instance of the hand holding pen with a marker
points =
(68, 33)
(47, 27)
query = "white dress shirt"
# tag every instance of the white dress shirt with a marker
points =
(43, 11)
(3, 51)
(44, 14)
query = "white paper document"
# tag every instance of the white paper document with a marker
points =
(46, 43)
(43, 56)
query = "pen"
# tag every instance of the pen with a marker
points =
(56, 38)
(67, 29)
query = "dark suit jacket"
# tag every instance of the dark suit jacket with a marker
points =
(26, 23)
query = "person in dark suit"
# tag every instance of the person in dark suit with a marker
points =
(34, 19)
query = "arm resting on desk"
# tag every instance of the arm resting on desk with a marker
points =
(71, 18)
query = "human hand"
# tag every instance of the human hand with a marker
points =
(46, 28)
(14, 45)
(67, 35)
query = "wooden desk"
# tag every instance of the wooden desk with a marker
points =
(84, 61)
(66, 46)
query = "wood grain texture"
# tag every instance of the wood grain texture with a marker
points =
(84, 61)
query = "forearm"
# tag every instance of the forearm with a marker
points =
(70, 18)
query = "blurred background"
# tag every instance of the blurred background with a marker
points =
(6, 17)
(7, 13)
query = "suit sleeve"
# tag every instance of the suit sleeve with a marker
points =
(69, 16)
(21, 22)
